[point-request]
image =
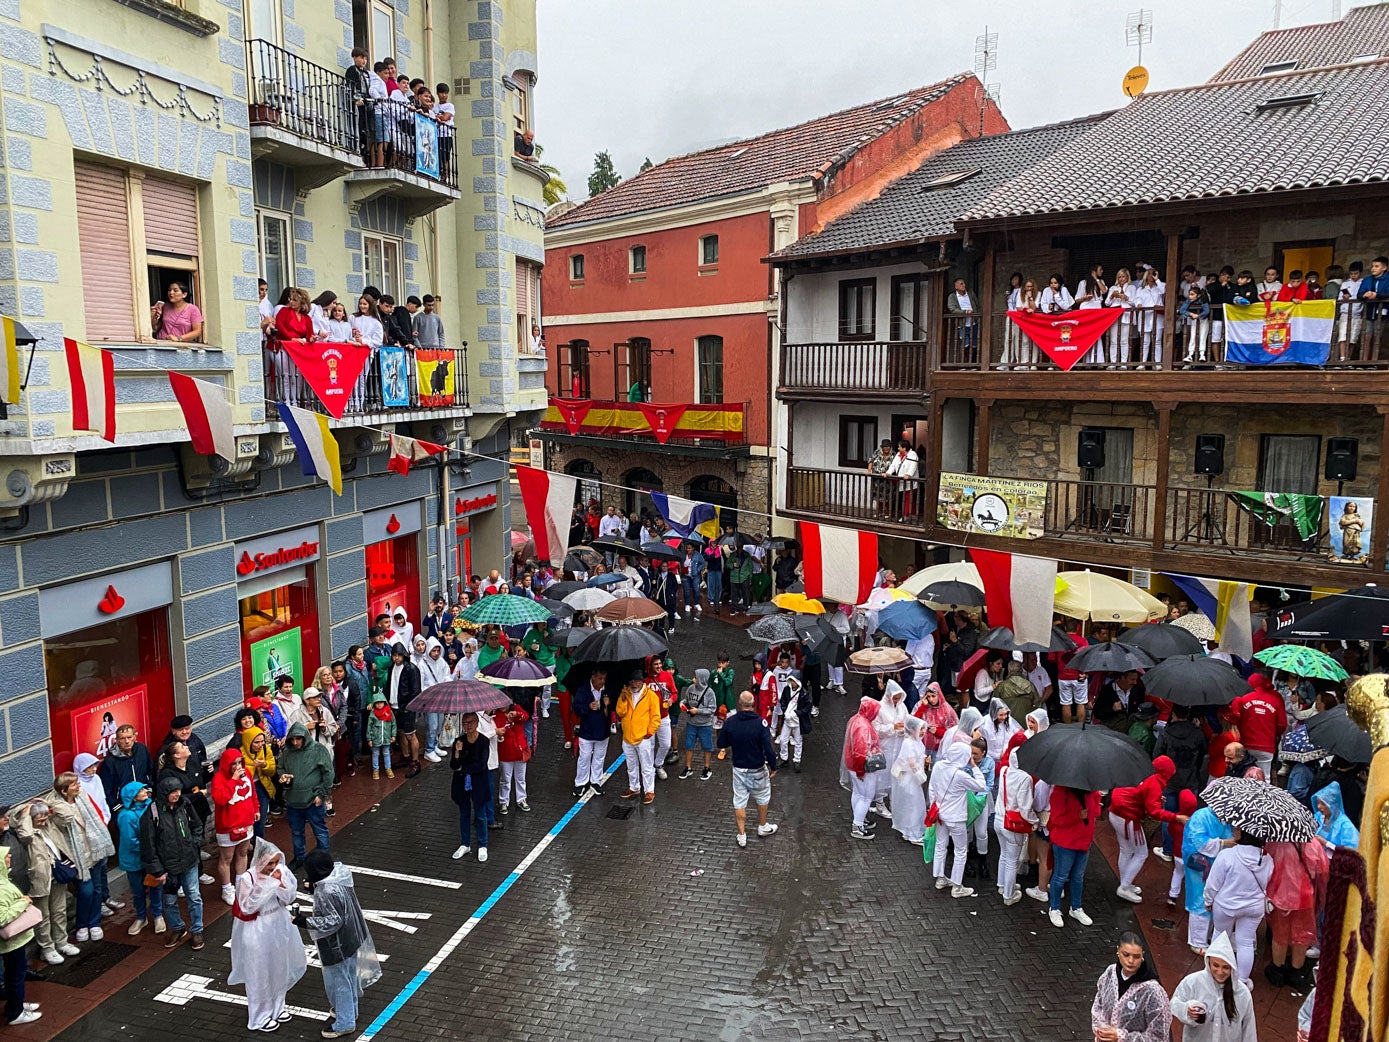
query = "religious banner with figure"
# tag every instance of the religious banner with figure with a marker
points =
(395, 380)
(1066, 337)
(1349, 520)
(426, 146)
(1295, 332)
(992, 506)
(330, 368)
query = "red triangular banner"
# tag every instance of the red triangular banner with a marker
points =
(573, 410)
(331, 370)
(662, 419)
(1067, 336)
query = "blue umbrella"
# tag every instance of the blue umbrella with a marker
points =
(906, 620)
(608, 578)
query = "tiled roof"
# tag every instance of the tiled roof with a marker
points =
(925, 203)
(790, 154)
(1363, 31)
(1214, 141)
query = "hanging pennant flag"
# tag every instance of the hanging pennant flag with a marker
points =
(330, 368)
(662, 419)
(92, 374)
(1067, 336)
(9, 363)
(839, 563)
(571, 411)
(208, 414)
(314, 441)
(549, 502)
(405, 451)
(1019, 591)
(686, 517)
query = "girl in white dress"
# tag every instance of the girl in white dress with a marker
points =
(1120, 295)
(1150, 323)
(266, 952)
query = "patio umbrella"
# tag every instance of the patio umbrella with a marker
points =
(629, 611)
(1264, 811)
(1360, 614)
(817, 633)
(586, 554)
(1305, 662)
(661, 552)
(906, 620)
(1162, 641)
(885, 595)
(1194, 680)
(617, 544)
(559, 591)
(1110, 657)
(516, 672)
(558, 609)
(461, 696)
(619, 644)
(1001, 638)
(1084, 757)
(762, 608)
(951, 594)
(957, 571)
(589, 599)
(1094, 595)
(1337, 733)
(773, 629)
(878, 660)
(798, 603)
(505, 609)
(1196, 624)
(608, 579)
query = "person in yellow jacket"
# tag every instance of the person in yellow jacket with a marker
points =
(639, 711)
(260, 768)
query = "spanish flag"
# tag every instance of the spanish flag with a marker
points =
(9, 364)
(318, 449)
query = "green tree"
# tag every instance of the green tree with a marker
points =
(603, 176)
(646, 165)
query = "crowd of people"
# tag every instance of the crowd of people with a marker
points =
(387, 102)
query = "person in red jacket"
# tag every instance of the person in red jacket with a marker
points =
(1262, 718)
(1128, 807)
(235, 810)
(1073, 817)
(513, 753)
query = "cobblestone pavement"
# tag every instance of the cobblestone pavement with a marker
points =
(659, 927)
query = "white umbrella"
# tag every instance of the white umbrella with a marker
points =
(590, 599)
(958, 571)
(1102, 598)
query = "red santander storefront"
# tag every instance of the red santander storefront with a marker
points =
(277, 601)
(393, 538)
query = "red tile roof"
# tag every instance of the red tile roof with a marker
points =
(1363, 31)
(790, 154)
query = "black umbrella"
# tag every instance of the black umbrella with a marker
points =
(618, 673)
(1084, 757)
(762, 608)
(1111, 658)
(559, 591)
(1264, 811)
(735, 539)
(799, 587)
(773, 629)
(617, 544)
(661, 552)
(575, 563)
(557, 634)
(1194, 680)
(1162, 641)
(619, 643)
(817, 634)
(557, 608)
(585, 554)
(949, 594)
(1361, 614)
(1336, 732)
(781, 543)
(1001, 638)
(576, 635)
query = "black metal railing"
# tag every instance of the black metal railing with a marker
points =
(390, 381)
(398, 137)
(300, 97)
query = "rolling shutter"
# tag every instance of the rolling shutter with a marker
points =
(171, 217)
(103, 233)
(523, 288)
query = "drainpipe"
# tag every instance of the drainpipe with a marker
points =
(429, 44)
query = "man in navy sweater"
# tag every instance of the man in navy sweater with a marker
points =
(590, 704)
(754, 764)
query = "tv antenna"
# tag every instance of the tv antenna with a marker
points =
(1138, 30)
(985, 61)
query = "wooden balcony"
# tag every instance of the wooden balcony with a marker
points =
(890, 370)
(890, 504)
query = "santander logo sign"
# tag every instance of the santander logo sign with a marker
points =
(251, 563)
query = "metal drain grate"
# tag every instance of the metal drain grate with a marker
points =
(1164, 924)
(84, 969)
(620, 813)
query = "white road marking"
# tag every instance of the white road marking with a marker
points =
(447, 884)
(190, 986)
(380, 916)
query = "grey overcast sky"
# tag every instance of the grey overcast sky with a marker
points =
(660, 78)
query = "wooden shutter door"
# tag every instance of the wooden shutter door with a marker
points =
(103, 233)
(523, 289)
(171, 217)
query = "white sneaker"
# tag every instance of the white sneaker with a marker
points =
(942, 882)
(661, 773)
(27, 1017)
(111, 902)
(765, 830)
(699, 609)
(742, 839)
(1078, 914)
(482, 853)
(1126, 893)
(432, 756)
(206, 879)
(962, 891)
(69, 949)
(136, 927)
(1010, 901)
(229, 893)
(159, 924)
(814, 710)
(1162, 855)
(544, 714)
(1055, 914)
(106, 913)
(460, 853)
(687, 609)
(1314, 953)
(97, 933)
(83, 935)
(52, 958)
(1037, 893)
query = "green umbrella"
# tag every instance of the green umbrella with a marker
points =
(505, 609)
(1303, 661)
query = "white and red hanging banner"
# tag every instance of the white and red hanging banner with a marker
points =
(1019, 592)
(839, 563)
(92, 374)
(330, 368)
(549, 502)
(662, 419)
(572, 411)
(208, 414)
(405, 451)
(1068, 336)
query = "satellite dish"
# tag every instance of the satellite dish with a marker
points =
(1135, 81)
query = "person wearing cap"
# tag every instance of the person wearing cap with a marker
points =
(639, 713)
(339, 931)
(181, 730)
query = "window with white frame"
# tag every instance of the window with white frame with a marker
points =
(636, 260)
(709, 249)
(263, 21)
(382, 41)
(275, 245)
(381, 263)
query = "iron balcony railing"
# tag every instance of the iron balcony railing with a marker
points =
(300, 97)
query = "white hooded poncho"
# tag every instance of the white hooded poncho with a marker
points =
(1201, 987)
(908, 772)
(267, 954)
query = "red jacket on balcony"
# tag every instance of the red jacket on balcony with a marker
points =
(293, 325)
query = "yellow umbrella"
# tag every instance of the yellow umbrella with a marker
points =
(1102, 598)
(799, 603)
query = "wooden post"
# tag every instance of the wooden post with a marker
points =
(1379, 533)
(935, 432)
(982, 435)
(986, 307)
(1164, 466)
(1169, 298)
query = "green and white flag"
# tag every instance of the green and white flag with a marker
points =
(1302, 511)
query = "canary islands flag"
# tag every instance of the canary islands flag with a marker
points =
(687, 517)
(314, 441)
(1292, 333)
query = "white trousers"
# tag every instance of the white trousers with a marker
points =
(836, 676)
(1178, 875)
(954, 832)
(512, 771)
(1133, 848)
(1011, 845)
(591, 756)
(662, 742)
(791, 737)
(1198, 930)
(1118, 341)
(1197, 335)
(641, 768)
(864, 791)
(980, 828)
(1243, 930)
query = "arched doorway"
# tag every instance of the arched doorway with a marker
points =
(710, 489)
(590, 487)
(640, 482)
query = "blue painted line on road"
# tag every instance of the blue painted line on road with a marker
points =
(451, 945)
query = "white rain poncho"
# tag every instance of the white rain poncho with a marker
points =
(971, 720)
(339, 928)
(908, 772)
(1201, 987)
(893, 712)
(267, 954)
(996, 735)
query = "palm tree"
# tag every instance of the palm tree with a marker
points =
(555, 188)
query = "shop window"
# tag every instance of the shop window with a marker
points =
(279, 631)
(393, 578)
(116, 673)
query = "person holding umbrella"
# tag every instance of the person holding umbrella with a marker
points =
(1236, 893)
(1074, 815)
(1300, 872)
(591, 709)
(471, 788)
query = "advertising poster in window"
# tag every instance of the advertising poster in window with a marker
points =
(436, 376)
(94, 725)
(395, 384)
(387, 602)
(992, 506)
(426, 146)
(277, 656)
(1350, 529)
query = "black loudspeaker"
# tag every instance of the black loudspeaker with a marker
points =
(1342, 456)
(1090, 449)
(1210, 453)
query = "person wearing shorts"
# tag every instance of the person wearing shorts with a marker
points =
(700, 704)
(1071, 684)
(754, 764)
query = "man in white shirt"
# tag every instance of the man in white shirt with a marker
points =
(1036, 674)
(905, 468)
(611, 524)
(266, 309)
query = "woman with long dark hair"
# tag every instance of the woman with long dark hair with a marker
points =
(1212, 1005)
(178, 320)
(1130, 1004)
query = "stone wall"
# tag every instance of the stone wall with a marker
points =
(1037, 440)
